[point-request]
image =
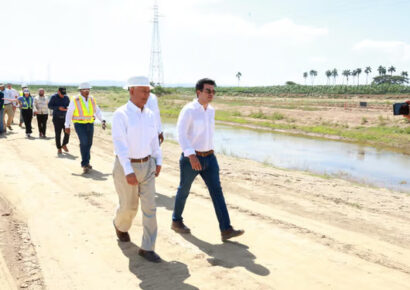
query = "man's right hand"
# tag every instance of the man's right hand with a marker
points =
(196, 165)
(67, 131)
(62, 109)
(132, 179)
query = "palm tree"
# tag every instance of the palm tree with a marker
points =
(334, 74)
(238, 76)
(391, 70)
(381, 70)
(346, 73)
(305, 75)
(354, 74)
(404, 74)
(358, 71)
(367, 70)
(313, 74)
(328, 75)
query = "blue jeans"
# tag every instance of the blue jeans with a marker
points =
(85, 133)
(1, 120)
(210, 175)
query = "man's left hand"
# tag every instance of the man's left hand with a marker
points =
(157, 170)
(161, 138)
(103, 125)
(67, 131)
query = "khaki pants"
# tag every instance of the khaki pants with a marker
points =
(129, 197)
(8, 110)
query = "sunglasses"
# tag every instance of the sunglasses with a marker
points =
(209, 91)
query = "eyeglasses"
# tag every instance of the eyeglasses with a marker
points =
(209, 91)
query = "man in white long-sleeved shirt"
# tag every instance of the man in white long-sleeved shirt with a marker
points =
(137, 163)
(152, 104)
(195, 127)
(82, 110)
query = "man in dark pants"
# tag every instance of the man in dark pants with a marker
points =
(195, 129)
(59, 103)
(82, 110)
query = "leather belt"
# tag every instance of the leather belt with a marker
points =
(204, 154)
(141, 160)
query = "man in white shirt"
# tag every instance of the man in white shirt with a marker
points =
(195, 128)
(10, 101)
(137, 163)
(82, 110)
(152, 104)
(15, 94)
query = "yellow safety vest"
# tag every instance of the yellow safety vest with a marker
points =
(81, 114)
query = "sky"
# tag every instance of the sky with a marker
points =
(269, 42)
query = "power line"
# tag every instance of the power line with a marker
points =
(156, 67)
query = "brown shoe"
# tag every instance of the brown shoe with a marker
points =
(122, 236)
(231, 233)
(149, 255)
(65, 148)
(86, 169)
(180, 227)
(59, 151)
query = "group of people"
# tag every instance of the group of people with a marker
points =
(10, 100)
(139, 158)
(137, 136)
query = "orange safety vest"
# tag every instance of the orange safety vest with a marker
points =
(81, 114)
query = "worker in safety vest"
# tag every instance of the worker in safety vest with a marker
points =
(82, 112)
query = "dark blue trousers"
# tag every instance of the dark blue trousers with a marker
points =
(85, 133)
(210, 175)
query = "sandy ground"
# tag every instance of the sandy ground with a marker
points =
(302, 231)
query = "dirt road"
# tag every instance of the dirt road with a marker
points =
(302, 231)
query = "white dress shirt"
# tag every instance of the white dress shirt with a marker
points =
(71, 109)
(134, 133)
(152, 104)
(195, 128)
(10, 96)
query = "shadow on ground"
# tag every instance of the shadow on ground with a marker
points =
(228, 254)
(164, 275)
(93, 174)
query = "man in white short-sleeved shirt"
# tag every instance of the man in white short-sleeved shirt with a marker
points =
(195, 128)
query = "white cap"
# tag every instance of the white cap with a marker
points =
(139, 81)
(24, 85)
(84, 86)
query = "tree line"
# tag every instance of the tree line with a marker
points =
(382, 78)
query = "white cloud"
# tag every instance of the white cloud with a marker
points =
(395, 51)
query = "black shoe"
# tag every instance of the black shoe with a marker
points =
(231, 233)
(122, 236)
(10, 128)
(150, 256)
(180, 227)
(89, 166)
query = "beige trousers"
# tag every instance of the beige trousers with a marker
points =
(8, 110)
(129, 197)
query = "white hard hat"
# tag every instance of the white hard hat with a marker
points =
(139, 81)
(84, 86)
(24, 85)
